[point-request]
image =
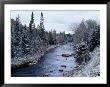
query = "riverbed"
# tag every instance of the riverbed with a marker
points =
(53, 64)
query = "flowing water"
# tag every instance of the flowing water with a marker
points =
(52, 65)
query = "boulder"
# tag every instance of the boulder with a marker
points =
(63, 66)
(66, 55)
(60, 70)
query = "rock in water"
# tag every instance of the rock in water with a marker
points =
(63, 66)
(60, 70)
(66, 55)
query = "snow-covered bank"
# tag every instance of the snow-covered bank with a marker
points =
(29, 60)
(92, 69)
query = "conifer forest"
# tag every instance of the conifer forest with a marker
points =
(38, 50)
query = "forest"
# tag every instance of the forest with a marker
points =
(29, 44)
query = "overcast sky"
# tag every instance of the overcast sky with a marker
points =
(58, 20)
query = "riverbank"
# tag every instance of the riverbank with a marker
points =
(17, 63)
(53, 64)
(91, 69)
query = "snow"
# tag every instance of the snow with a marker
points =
(30, 59)
(53, 64)
(92, 69)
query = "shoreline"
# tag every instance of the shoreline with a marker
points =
(30, 60)
(91, 69)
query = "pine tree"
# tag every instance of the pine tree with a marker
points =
(51, 42)
(42, 29)
(17, 39)
(32, 24)
(25, 41)
(54, 36)
(95, 41)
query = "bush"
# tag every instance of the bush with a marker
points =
(95, 40)
(82, 54)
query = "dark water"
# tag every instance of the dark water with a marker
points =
(52, 65)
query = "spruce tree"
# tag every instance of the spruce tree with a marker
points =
(17, 39)
(42, 29)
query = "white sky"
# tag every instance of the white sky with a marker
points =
(58, 20)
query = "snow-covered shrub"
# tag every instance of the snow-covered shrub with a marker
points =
(95, 38)
(92, 68)
(86, 38)
(82, 53)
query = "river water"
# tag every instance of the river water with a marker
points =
(52, 65)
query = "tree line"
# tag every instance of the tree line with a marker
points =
(28, 40)
(86, 39)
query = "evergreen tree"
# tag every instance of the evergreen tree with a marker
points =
(95, 41)
(42, 29)
(25, 41)
(54, 36)
(51, 41)
(32, 24)
(17, 39)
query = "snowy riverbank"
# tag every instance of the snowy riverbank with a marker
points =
(29, 60)
(53, 64)
(92, 69)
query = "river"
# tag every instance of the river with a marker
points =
(52, 65)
